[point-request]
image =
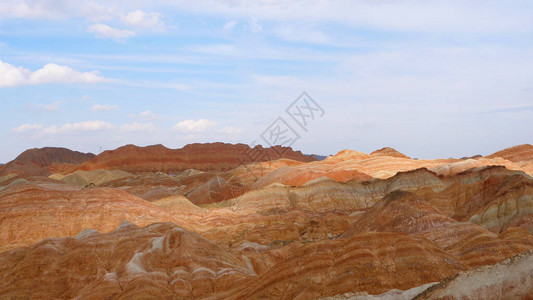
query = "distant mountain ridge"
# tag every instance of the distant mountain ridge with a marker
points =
(222, 156)
(44, 161)
(318, 156)
(204, 157)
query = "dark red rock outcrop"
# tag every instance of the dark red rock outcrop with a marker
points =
(213, 156)
(44, 161)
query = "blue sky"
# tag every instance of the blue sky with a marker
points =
(429, 78)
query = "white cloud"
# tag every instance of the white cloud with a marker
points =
(255, 27)
(47, 107)
(280, 81)
(218, 49)
(108, 32)
(34, 10)
(200, 125)
(96, 12)
(453, 15)
(138, 127)
(139, 18)
(56, 73)
(79, 127)
(51, 107)
(51, 73)
(28, 127)
(103, 107)
(447, 16)
(12, 76)
(192, 137)
(301, 34)
(230, 130)
(148, 115)
(230, 25)
(145, 116)
(59, 10)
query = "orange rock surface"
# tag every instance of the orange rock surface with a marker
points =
(30, 213)
(372, 262)
(352, 225)
(384, 163)
(161, 261)
(407, 213)
(515, 154)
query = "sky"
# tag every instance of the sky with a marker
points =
(432, 79)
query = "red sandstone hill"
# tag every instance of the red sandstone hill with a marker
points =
(211, 156)
(387, 151)
(320, 239)
(294, 230)
(32, 212)
(44, 161)
(516, 153)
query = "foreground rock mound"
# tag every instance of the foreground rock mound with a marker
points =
(165, 261)
(161, 261)
(510, 279)
(368, 262)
